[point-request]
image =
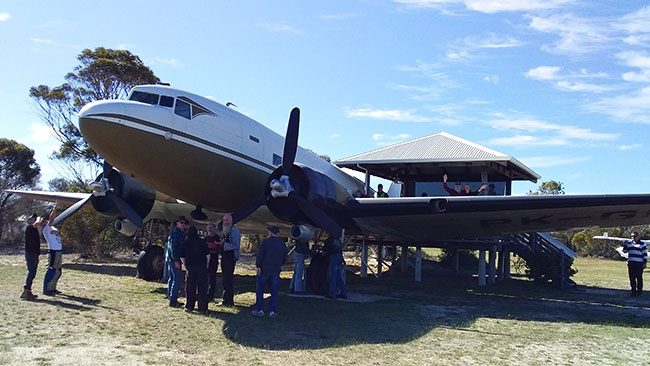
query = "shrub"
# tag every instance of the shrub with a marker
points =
(466, 257)
(544, 267)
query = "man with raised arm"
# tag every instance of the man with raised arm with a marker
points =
(54, 254)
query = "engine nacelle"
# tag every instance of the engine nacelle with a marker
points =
(302, 232)
(312, 185)
(140, 197)
(125, 227)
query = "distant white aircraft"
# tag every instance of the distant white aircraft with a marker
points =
(619, 250)
(178, 153)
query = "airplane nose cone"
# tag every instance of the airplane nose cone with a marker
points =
(97, 121)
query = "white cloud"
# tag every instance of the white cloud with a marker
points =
(39, 133)
(386, 114)
(281, 27)
(542, 133)
(335, 135)
(4, 17)
(637, 22)
(631, 107)
(126, 46)
(487, 6)
(569, 82)
(543, 73)
(492, 41)
(41, 40)
(457, 55)
(527, 140)
(551, 161)
(576, 35)
(577, 86)
(341, 16)
(382, 139)
(630, 147)
(168, 61)
(494, 79)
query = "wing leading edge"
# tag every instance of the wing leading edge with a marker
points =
(420, 220)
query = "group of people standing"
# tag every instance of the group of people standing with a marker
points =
(200, 256)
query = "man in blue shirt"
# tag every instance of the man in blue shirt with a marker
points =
(173, 260)
(270, 258)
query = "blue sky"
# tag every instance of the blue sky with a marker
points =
(563, 86)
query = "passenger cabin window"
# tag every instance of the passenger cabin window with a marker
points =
(166, 101)
(277, 159)
(253, 138)
(182, 109)
(144, 97)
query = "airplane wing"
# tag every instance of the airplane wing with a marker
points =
(51, 196)
(436, 218)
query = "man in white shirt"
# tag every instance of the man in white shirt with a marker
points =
(54, 259)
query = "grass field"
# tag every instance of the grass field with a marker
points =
(106, 316)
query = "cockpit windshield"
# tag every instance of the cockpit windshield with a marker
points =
(144, 97)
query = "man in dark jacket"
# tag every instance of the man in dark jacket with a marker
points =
(194, 256)
(32, 251)
(270, 258)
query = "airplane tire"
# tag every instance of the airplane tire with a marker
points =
(318, 274)
(151, 263)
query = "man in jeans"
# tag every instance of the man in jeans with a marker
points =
(299, 254)
(54, 258)
(270, 258)
(173, 260)
(32, 251)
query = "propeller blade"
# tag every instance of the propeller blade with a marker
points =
(125, 209)
(245, 211)
(291, 141)
(70, 211)
(107, 169)
(318, 216)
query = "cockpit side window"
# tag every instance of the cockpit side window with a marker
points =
(182, 109)
(144, 97)
(166, 101)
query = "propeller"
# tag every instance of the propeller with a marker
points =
(101, 187)
(282, 188)
(291, 141)
(71, 211)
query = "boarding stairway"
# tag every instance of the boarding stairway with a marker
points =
(526, 245)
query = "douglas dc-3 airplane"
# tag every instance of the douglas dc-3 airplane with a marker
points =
(179, 153)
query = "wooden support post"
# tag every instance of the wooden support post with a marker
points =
(405, 258)
(506, 264)
(418, 264)
(367, 183)
(562, 271)
(457, 262)
(481, 267)
(492, 265)
(380, 258)
(500, 264)
(364, 259)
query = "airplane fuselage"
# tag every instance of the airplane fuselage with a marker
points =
(192, 148)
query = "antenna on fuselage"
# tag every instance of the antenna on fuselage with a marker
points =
(231, 104)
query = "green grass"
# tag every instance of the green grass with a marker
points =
(108, 317)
